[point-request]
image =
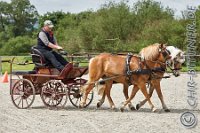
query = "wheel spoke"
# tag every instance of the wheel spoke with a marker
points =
(26, 102)
(29, 98)
(23, 93)
(53, 102)
(49, 101)
(22, 103)
(76, 101)
(60, 104)
(19, 101)
(72, 98)
(89, 99)
(57, 102)
(45, 97)
(47, 92)
(17, 98)
(53, 93)
(17, 88)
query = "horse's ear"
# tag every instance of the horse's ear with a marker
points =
(179, 54)
(160, 47)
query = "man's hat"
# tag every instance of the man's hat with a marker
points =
(48, 23)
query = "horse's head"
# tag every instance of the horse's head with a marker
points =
(176, 61)
(164, 54)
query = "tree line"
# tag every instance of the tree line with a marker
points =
(115, 27)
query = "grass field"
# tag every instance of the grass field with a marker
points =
(22, 59)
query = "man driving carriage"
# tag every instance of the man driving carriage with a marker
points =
(46, 43)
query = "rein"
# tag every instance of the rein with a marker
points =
(103, 80)
(161, 69)
(173, 69)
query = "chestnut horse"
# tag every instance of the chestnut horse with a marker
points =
(114, 65)
(175, 64)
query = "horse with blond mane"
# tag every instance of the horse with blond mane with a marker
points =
(174, 63)
(108, 65)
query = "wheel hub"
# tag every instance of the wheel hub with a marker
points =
(21, 93)
(53, 95)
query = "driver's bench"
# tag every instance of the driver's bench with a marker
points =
(42, 66)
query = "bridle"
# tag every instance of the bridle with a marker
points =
(165, 53)
(170, 67)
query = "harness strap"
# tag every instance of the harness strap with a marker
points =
(128, 71)
(150, 71)
(128, 59)
(158, 69)
(142, 71)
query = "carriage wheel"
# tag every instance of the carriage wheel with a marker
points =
(54, 94)
(75, 96)
(23, 94)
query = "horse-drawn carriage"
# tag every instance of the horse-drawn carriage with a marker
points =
(54, 87)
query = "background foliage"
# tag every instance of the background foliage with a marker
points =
(115, 27)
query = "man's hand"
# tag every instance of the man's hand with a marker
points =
(53, 46)
(58, 47)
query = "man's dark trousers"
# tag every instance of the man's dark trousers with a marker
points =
(56, 59)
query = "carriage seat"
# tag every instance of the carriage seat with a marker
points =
(39, 59)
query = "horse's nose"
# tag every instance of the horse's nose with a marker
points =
(176, 74)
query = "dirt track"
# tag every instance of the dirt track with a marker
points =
(39, 119)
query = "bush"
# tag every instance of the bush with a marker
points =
(17, 46)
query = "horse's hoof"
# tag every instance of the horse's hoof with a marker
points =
(113, 107)
(81, 106)
(99, 104)
(154, 110)
(122, 109)
(131, 107)
(166, 110)
(138, 106)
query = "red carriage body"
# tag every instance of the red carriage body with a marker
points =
(53, 86)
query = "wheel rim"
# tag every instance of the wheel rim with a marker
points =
(75, 96)
(54, 94)
(23, 94)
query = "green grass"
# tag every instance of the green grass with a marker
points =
(15, 67)
(185, 69)
(22, 59)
